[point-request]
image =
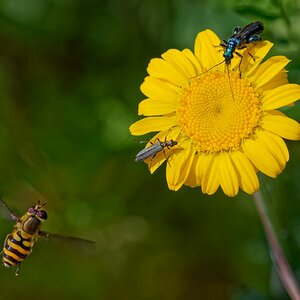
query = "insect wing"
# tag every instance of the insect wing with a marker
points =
(148, 152)
(7, 213)
(245, 33)
(65, 239)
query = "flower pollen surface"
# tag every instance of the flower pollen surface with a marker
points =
(218, 110)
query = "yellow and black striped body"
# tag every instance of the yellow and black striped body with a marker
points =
(17, 246)
(19, 243)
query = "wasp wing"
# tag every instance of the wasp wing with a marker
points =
(7, 213)
(245, 33)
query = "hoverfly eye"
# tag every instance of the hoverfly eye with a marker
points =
(31, 210)
(42, 214)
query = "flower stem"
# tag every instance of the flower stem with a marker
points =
(280, 262)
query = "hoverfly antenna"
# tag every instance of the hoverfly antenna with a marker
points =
(39, 203)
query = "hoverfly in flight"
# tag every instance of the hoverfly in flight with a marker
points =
(18, 244)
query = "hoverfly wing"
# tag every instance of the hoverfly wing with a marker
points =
(72, 243)
(64, 238)
(7, 213)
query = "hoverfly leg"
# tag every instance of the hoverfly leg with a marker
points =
(18, 269)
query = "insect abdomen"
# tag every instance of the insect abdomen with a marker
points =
(149, 151)
(16, 248)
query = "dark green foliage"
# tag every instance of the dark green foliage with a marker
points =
(70, 73)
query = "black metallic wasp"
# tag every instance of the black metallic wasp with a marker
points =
(240, 38)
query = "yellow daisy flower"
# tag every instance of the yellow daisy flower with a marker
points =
(224, 118)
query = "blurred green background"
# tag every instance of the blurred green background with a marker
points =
(70, 72)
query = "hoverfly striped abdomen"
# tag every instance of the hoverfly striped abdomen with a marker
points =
(19, 243)
(17, 246)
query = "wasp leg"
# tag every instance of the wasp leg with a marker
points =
(222, 44)
(241, 56)
(247, 52)
(254, 38)
(251, 56)
(18, 269)
(236, 30)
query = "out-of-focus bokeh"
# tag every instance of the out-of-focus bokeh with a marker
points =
(70, 72)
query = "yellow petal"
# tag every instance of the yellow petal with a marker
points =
(151, 124)
(162, 69)
(280, 79)
(191, 180)
(228, 177)
(159, 158)
(275, 145)
(179, 165)
(203, 161)
(261, 158)
(180, 62)
(211, 178)
(194, 61)
(157, 89)
(247, 176)
(207, 46)
(280, 96)
(281, 125)
(269, 69)
(151, 107)
(258, 51)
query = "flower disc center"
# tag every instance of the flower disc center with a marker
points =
(219, 110)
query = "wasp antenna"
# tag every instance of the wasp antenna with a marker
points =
(209, 69)
(229, 82)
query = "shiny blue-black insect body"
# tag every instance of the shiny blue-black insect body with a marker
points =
(155, 148)
(240, 38)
